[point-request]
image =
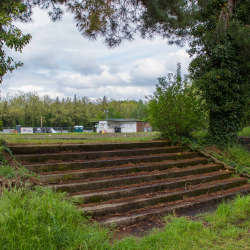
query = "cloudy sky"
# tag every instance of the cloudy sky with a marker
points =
(60, 62)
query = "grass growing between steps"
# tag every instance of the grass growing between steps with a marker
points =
(227, 228)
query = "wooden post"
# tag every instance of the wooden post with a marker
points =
(41, 121)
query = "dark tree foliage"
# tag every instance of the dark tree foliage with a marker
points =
(118, 20)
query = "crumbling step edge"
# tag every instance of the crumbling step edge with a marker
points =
(181, 207)
(94, 155)
(157, 186)
(99, 173)
(38, 168)
(104, 195)
(137, 203)
(85, 147)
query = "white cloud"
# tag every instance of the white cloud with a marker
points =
(148, 68)
(27, 88)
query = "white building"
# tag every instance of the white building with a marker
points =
(120, 125)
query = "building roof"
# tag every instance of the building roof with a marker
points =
(121, 120)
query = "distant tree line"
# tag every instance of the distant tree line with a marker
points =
(26, 109)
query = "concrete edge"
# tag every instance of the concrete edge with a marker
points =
(215, 160)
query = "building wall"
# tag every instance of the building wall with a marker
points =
(109, 126)
(148, 127)
(127, 127)
(140, 126)
(102, 126)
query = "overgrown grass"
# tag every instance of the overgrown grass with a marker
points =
(245, 132)
(43, 219)
(228, 228)
(204, 133)
(235, 156)
(7, 172)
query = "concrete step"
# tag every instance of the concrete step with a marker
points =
(87, 156)
(117, 193)
(141, 202)
(43, 149)
(181, 206)
(146, 187)
(121, 170)
(64, 166)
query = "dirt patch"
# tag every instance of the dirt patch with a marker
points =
(146, 227)
(139, 229)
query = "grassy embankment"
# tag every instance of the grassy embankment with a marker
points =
(236, 156)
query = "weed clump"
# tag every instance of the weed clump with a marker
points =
(12, 174)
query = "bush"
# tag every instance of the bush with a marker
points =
(175, 108)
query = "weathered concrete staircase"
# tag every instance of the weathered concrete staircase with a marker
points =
(124, 183)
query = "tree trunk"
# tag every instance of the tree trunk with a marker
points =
(230, 5)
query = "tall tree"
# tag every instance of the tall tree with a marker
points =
(221, 69)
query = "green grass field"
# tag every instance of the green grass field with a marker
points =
(245, 132)
(204, 133)
(78, 138)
